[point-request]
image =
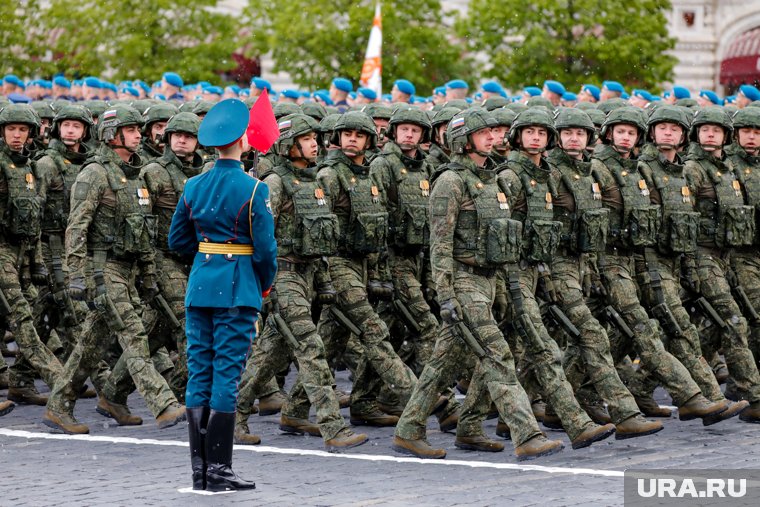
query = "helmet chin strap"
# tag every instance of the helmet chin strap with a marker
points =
(123, 144)
(621, 149)
(709, 147)
(408, 147)
(666, 146)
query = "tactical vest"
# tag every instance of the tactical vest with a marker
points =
(23, 212)
(410, 224)
(177, 179)
(311, 230)
(726, 222)
(128, 230)
(679, 229)
(58, 203)
(487, 234)
(747, 170)
(634, 226)
(365, 229)
(585, 230)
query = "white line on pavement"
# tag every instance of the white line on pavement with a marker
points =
(320, 454)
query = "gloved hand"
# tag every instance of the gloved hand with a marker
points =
(326, 293)
(148, 288)
(77, 289)
(691, 279)
(597, 286)
(380, 290)
(451, 312)
(500, 307)
(39, 275)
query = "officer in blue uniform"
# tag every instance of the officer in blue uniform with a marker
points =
(224, 219)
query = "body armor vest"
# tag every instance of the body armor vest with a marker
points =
(58, 202)
(310, 229)
(585, 229)
(23, 212)
(486, 234)
(127, 230)
(747, 170)
(410, 224)
(178, 178)
(678, 231)
(365, 229)
(725, 222)
(634, 226)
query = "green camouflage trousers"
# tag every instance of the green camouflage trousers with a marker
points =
(622, 294)
(31, 347)
(746, 266)
(349, 280)
(315, 380)
(712, 267)
(94, 341)
(494, 377)
(543, 353)
(686, 347)
(591, 358)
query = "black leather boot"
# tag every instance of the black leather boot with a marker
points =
(219, 435)
(197, 419)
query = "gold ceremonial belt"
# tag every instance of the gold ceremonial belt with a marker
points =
(225, 248)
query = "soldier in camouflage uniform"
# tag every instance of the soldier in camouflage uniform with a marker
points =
(660, 269)
(471, 236)
(306, 231)
(726, 224)
(578, 206)
(633, 226)
(531, 190)
(46, 112)
(358, 202)
(155, 117)
(20, 252)
(504, 118)
(438, 155)
(110, 229)
(404, 177)
(165, 180)
(381, 116)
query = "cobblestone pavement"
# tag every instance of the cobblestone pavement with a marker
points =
(146, 466)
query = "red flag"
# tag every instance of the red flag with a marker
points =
(262, 126)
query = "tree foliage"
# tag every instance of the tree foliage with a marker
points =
(21, 36)
(572, 41)
(137, 38)
(317, 40)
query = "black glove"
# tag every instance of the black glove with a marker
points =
(148, 288)
(691, 279)
(39, 275)
(500, 307)
(77, 289)
(451, 312)
(326, 293)
(380, 290)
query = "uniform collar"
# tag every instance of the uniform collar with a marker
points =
(228, 163)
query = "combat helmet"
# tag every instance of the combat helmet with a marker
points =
(573, 118)
(414, 116)
(291, 127)
(712, 115)
(314, 109)
(20, 113)
(285, 108)
(465, 123)
(189, 123)
(72, 112)
(533, 117)
(116, 117)
(355, 120)
(749, 117)
(668, 114)
(160, 111)
(625, 115)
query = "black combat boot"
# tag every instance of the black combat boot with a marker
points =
(219, 434)
(197, 419)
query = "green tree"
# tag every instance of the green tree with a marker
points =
(572, 41)
(21, 37)
(317, 40)
(141, 38)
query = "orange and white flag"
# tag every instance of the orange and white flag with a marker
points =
(372, 70)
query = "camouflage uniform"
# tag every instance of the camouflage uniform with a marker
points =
(578, 206)
(626, 195)
(357, 201)
(725, 223)
(20, 252)
(165, 180)
(462, 272)
(531, 188)
(110, 229)
(150, 148)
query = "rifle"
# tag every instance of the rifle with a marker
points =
(660, 309)
(611, 315)
(556, 314)
(279, 323)
(61, 296)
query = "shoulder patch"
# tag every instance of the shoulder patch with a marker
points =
(440, 205)
(81, 188)
(269, 206)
